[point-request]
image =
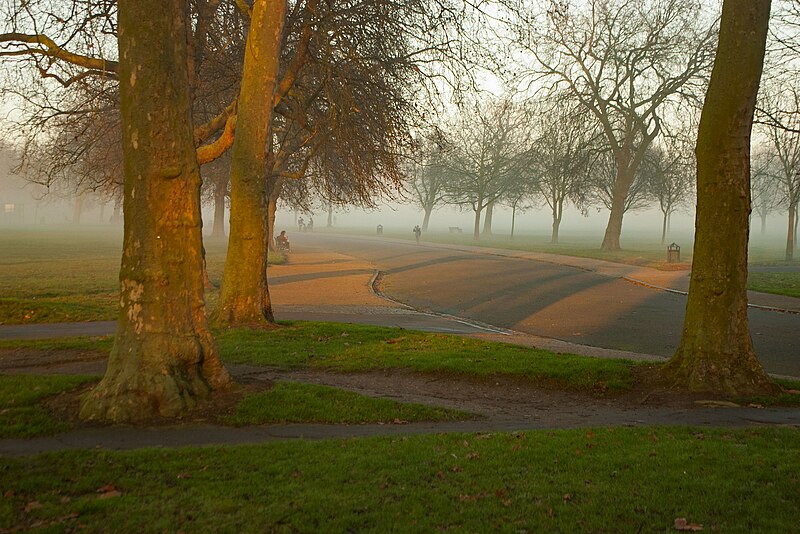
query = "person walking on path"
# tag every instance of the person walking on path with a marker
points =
(417, 233)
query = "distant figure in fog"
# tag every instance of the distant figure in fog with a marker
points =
(301, 224)
(282, 242)
(310, 226)
(417, 233)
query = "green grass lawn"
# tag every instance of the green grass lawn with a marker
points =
(342, 347)
(66, 274)
(21, 415)
(599, 480)
(295, 402)
(351, 348)
(777, 283)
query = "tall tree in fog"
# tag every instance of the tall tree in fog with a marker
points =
(716, 351)
(164, 356)
(562, 152)
(603, 180)
(669, 174)
(488, 148)
(763, 184)
(784, 140)
(428, 180)
(626, 62)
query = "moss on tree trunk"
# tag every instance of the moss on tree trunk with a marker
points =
(716, 353)
(244, 296)
(164, 356)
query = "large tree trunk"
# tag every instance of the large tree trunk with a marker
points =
(487, 220)
(426, 219)
(622, 186)
(716, 353)
(329, 223)
(790, 237)
(163, 356)
(220, 192)
(244, 296)
(664, 227)
(763, 223)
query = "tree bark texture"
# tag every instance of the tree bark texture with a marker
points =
(164, 356)
(716, 353)
(244, 296)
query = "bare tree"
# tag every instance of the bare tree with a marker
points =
(763, 184)
(627, 62)
(784, 139)
(485, 156)
(669, 174)
(603, 180)
(428, 179)
(561, 156)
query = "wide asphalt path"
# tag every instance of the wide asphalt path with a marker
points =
(548, 299)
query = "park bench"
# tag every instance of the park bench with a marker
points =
(454, 229)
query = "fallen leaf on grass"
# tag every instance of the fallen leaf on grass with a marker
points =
(682, 524)
(109, 491)
(33, 505)
(184, 475)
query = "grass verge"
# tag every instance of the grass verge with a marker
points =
(295, 402)
(57, 275)
(602, 480)
(345, 347)
(21, 416)
(786, 283)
